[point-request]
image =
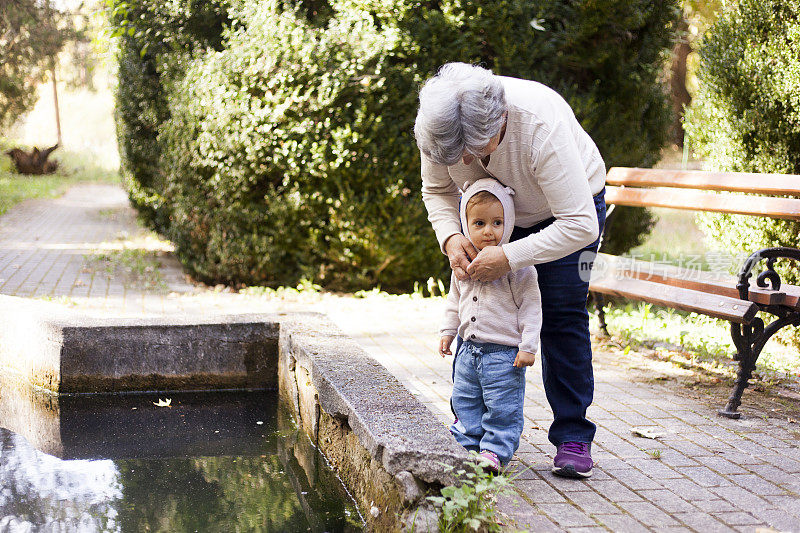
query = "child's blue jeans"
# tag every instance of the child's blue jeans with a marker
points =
(488, 394)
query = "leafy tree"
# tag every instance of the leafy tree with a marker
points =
(31, 34)
(746, 115)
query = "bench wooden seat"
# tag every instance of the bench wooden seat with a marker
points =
(771, 184)
(737, 299)
(723, 307)
(788, 208)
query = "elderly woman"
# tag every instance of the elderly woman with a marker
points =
(472, 124)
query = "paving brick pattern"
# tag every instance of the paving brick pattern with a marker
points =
(712, 474)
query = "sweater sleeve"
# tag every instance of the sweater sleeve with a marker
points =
(450, 322)
(562, 178)
(525, 291)
(440, 196)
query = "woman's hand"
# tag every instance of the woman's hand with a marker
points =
(524, 359)
(460, 252)
(490, 264)
(444, 345)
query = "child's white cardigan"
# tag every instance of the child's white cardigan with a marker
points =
(506, 311)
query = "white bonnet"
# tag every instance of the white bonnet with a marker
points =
(502, 193)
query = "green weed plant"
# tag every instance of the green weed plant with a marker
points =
(470, 505)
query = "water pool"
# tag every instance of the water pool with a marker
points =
(232, 461)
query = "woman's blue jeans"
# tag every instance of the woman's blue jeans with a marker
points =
(488, 394)
(566, 349)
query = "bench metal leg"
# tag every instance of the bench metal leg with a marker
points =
(742, 338)
(599, 304)
(749, 341)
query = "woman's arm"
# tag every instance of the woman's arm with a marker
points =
(441, 196)
(561, 175)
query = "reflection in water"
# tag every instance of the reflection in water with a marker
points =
(164, 474)
(42, 492)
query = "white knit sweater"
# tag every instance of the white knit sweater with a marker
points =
(506, 311)
(548, 159)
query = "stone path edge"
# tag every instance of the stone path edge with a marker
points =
(62, 351)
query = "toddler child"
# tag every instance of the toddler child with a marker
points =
(499, 323)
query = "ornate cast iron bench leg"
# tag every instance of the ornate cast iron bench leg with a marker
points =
(750, 339)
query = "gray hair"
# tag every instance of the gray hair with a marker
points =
(460, 109)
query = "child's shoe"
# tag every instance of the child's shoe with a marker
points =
(490, 461)
(574, 459)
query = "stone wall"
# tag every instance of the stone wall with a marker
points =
(62, 351)
(389, 450)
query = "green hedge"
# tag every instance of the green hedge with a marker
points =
(155, 39)
(140, 111)
(289, 151)
(746, 114)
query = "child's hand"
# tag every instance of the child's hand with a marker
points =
(444, 345)
(524, 359)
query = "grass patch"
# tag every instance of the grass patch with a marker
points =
(61, 300)
(73, 169)
(139, 267)
(702, 342)
(135, 259)
(655, 454)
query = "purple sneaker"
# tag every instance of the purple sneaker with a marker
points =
(574, 459)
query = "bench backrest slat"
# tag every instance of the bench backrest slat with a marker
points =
(786, 208)
(776, 184)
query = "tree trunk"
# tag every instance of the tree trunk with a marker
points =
(677, 81)
(55, 102)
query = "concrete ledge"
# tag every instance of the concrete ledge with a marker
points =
(63, 352)
(388, 448)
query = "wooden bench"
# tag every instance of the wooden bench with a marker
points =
(736, 299)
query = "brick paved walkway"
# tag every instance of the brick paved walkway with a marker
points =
(704, 474)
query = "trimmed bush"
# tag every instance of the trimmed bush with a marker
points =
(289, 152)
(605, 58)
(746, 115)
(140, 111)
(155, 38)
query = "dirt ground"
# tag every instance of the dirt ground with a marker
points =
(672, 367)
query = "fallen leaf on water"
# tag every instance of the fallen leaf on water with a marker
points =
(163, 403)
